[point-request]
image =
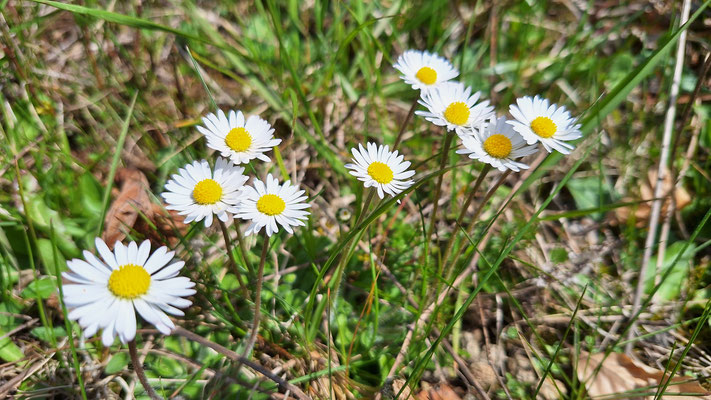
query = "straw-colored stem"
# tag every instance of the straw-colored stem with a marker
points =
(139, 371)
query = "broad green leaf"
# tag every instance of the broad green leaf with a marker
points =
(47, 335)
(43, 287)
(678, 262)
(9, 351)
(117, 363)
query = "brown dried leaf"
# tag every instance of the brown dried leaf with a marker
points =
(642, 211)
(620, 374)
(132, 199)
(439, 392)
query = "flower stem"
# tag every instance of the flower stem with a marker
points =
(257, 296)
(398, 139)
(139, 371)
(243, 251)
(448, 136)
(233, 262)
(462, 213)
(475, 217)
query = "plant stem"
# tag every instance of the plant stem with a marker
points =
(475, 216)
(139, 371)
(243, 251)
(398, 139)
(257, 296)
(462, 213)
(438, 188)
(233, 262)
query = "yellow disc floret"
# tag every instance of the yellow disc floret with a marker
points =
(498, 146)
(238, 139)
(207, 191)
(544, 127)
(457, 113)
(271, 204)
(129, 281)
(426, 75)
(380, 172)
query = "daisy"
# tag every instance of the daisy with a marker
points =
(198, 192)
(379, 167)
(267, 204)
(497, 144)
(452, 105)
(424, 70)
(237, 139)
(539, 121)
(107, 292)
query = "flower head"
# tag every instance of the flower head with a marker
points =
(377, 166)
(424, 70)
(539, 121)
(198, 192)
(497, 144)
(107, 292)
(266, 204)
(452, 105)
(237, 139)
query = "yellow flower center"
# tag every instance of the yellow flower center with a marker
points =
(129, 281)
(426, 75)
(498, 146)
(457, 113)
(207, 191)
(380, 172)
(271, 204)
(238, 139)
(543, 127)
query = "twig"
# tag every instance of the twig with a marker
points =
(283, 384)
(661, 174)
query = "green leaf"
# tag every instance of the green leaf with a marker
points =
(43, 288)
(45, 248)
(586, 193)
(678, 262)
(117, 363)
(9, 351)
(47, 335)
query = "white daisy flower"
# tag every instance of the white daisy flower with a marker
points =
(107, 292)
(452, 105)
(539, 121)
(265, 205)
(198, 193)
(379, 167)
(237, 139)
(497, 144)
(424, 70)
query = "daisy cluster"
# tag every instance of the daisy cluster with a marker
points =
(486, 137)
(105, 293)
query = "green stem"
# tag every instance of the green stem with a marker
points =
(233, 262)
(398, 139)
(462, 213)
(473, 222)
(438, 188)
(258, 296)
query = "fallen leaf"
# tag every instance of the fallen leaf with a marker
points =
(643, 211)
(620, 374)
(132, 198)
(439, 392)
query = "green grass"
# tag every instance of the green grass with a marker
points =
(91, 89)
